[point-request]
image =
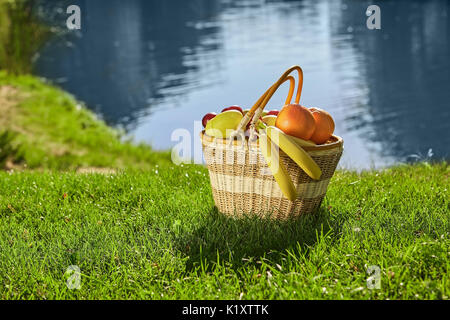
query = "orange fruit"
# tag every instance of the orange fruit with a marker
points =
(296, 120)
(324, 125)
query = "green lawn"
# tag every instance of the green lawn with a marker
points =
(155, 235)
(53, 130)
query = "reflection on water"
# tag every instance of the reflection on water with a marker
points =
(154, 66)
(129, 56)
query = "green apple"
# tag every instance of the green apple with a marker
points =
(269, 120)
(223, 124)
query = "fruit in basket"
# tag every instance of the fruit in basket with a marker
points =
(303, 143)
(223, 124)
(298, 141)
(276, 166)
(269, 120)
(324, 125)
(273, 112)
(294, 151)
(233, 108)
(297, 121)
(208, 117)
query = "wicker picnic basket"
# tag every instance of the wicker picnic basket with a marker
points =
(241, 181)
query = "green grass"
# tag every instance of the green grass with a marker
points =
(54, 131)
(156, 235)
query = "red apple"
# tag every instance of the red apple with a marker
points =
(233, 108)
(274, 112)
(208, 117)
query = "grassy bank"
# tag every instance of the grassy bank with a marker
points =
(156, 235)
(52, 130)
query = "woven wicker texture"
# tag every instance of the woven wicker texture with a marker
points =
(241, 181)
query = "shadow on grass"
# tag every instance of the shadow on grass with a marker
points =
(239, 241)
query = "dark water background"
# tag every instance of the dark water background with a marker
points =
(154, 66)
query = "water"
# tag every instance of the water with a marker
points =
(155, 66)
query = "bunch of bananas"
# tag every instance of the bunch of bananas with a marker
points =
(272, 138)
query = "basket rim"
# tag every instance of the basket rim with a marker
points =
(335, 143)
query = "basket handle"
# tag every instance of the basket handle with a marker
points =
(258, 111)
(254, 113)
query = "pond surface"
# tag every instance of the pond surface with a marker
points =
(154, 66)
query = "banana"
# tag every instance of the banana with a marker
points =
(294, 151)
(302, 143)
(277, 167)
